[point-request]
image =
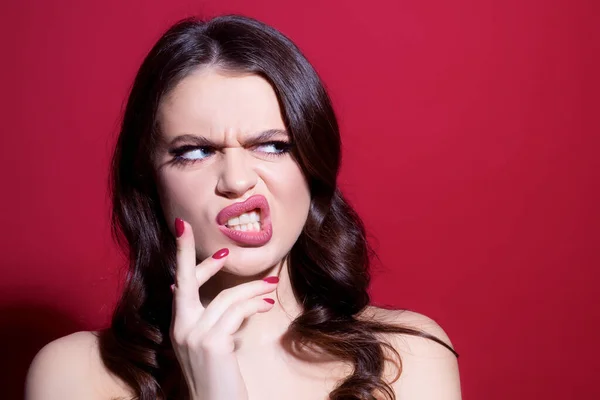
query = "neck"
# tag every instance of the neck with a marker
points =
(260, 329)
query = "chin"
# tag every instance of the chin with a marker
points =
(250, 261)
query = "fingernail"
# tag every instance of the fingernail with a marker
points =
(270, 301)
(221, 253)
(179, 226)
(271, 279)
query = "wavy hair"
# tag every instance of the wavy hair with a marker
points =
(329, 263)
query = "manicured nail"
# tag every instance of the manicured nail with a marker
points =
(270, 301)
(271, 279)
(221, 253)
(179, 226)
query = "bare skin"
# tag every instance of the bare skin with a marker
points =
(71, 368)
(237, 338)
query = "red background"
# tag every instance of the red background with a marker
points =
(470, 137)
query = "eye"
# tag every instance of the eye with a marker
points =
(275, 147)
(190, 154)
(196, 154)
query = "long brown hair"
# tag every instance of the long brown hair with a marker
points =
(332, 249)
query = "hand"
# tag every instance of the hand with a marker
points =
(202, 337)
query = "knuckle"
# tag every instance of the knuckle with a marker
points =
(177, 336)
(208, 343)
(195, 339)
(238, 308)
(216, 344)
(181, 334)
(225, 294)
(190, 342)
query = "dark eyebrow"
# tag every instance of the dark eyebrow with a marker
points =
(202, 141)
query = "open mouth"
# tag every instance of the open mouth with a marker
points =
(248, 222)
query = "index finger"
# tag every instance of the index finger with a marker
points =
(186, 286)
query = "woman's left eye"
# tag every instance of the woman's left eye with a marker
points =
(277, 147)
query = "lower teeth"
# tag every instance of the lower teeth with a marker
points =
(247, 228)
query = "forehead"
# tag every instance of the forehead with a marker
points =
(216, 105)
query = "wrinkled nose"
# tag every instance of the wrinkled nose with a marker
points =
(237, 175)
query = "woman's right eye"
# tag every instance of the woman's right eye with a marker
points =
(190, 154)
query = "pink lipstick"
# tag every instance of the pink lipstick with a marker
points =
(258, 238)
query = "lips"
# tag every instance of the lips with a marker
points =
(252, 203)
(246, 237)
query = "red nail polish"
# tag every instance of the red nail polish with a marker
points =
(221, 253)
(271, 279)
(179, 226)
(270, 301)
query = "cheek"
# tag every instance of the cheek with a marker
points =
(181, 195)
(292, 193)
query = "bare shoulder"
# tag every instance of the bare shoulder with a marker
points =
(429, 370)
(410, 319)
(71, 368)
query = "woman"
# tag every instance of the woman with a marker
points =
(248, 270)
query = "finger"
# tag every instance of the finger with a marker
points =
(210, 266)
(232, 319)
(236, 294)
(186, 288)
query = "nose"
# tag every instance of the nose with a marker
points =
(236, 176)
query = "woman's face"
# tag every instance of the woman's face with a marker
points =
(229, 112)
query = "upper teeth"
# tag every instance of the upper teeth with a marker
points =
(245, 218)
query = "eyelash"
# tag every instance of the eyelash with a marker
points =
(179, 160)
